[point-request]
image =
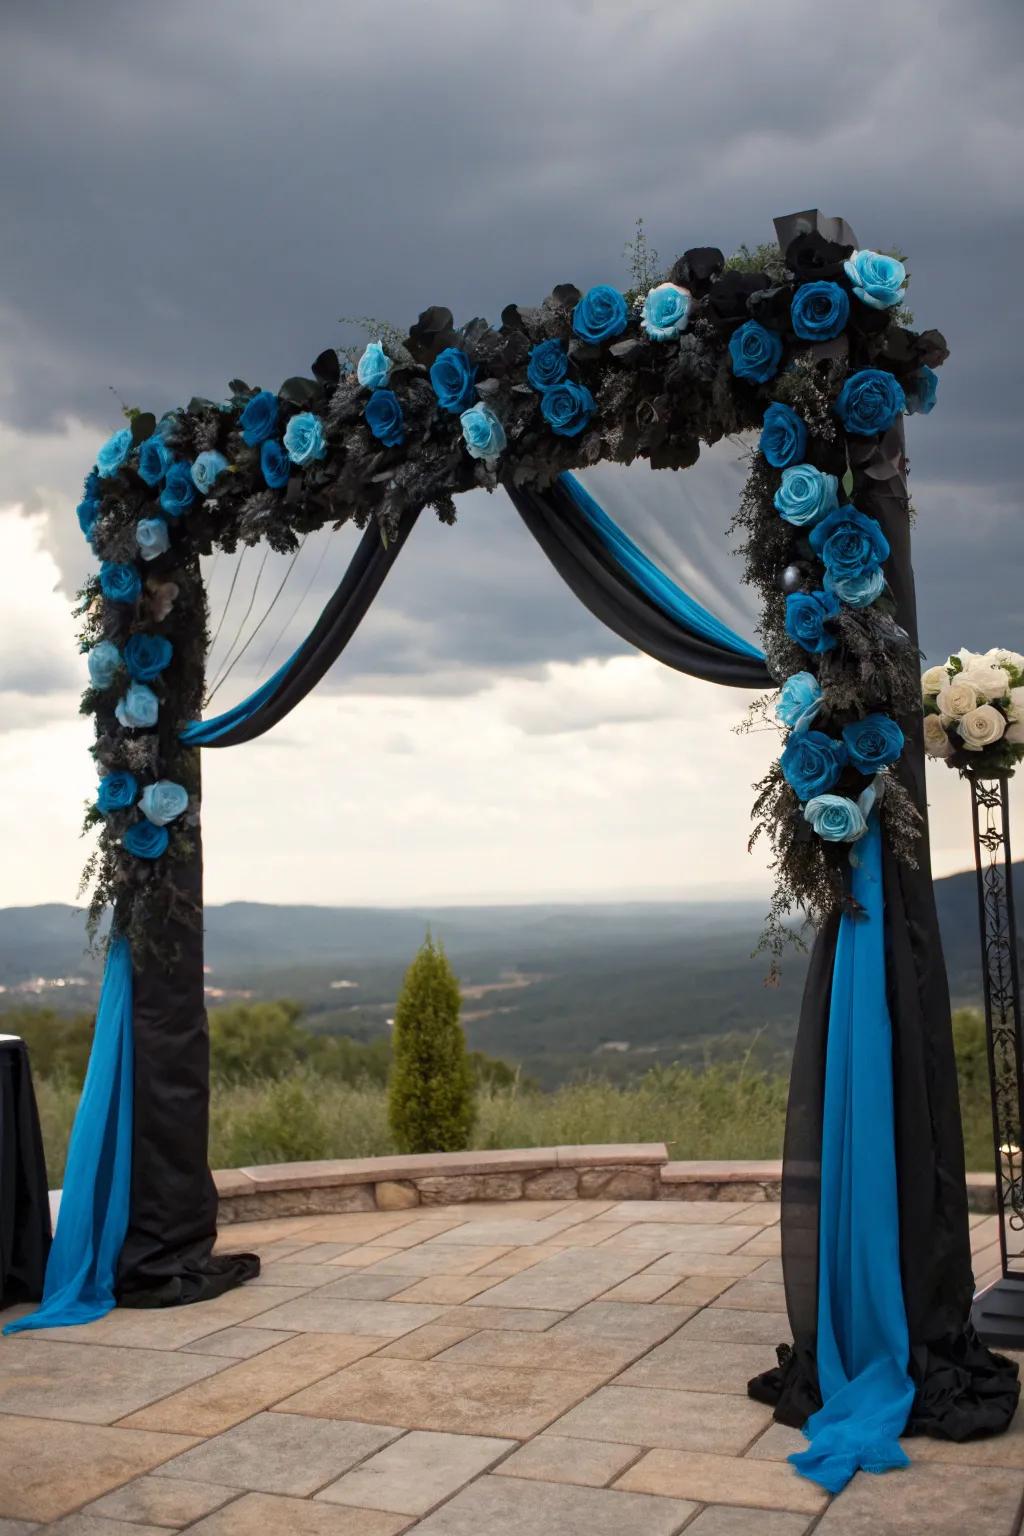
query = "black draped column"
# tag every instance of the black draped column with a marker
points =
(962, 1389)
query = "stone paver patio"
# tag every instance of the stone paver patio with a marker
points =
(539, 1368)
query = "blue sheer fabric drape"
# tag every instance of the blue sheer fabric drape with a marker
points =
(863, 1342)
(93, 1216)
(202, 733)
(661, 589)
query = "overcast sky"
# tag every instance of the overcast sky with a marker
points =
(200, 191)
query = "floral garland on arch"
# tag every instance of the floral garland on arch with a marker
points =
(974, 712)
(812, 347)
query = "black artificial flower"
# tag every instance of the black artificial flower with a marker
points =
(697, 269)
(811, 258)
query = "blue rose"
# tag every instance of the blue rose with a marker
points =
(877, 280)
(819, 311)
(113, 453)
(92, 487)
(275, 464)
(117, 792)
(383, 414)
(567, 408)
(666, 311)
(152, 537)
(807, 613)
(374, 367)
(454, 379)
(206, 468)
(104, 663)
(304, 438)
(155, 459)
(163, 801)
(120, 583)
(869, 402)
(799, 701)
(856, 591)
(848, 543)
(179, 489)
(755, 353)
(783, 436)
(811, 763)
(146, 656)
(138, 707)
(548, 365)
(259, 418)
(806, 495)
(835, 818)
(146, 841)
(873, 743)
(87, 512)
(482, 432)
(600, 314)
(922, 392)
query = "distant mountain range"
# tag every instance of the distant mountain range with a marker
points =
(554, 986)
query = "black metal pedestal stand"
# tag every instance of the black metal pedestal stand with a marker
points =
(998, 1314)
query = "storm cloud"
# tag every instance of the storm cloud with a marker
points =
(201, 191)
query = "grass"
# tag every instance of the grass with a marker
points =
(727, 1110)
(723, 1111)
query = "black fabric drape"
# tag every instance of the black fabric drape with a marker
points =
(333, 630)
(590, 571)
(167, 1257)
(24, 1198)
(963, 1389)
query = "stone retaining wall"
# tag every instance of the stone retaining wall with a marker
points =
(638, 1171)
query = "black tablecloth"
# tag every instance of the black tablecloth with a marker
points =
(24, 1200)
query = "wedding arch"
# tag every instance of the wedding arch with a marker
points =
(817, 354)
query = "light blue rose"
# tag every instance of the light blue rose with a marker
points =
(482, 432)
(799, 701)
(666, 312)
(206, 468)
(152, 537)
(835, 818)
(922, 391)
(104, 663)
(806, 495)
(138, 707)
(155, 459)
(877, 280)
(163, 801)
(374, 367)
(856, 591)
(304, 438)
(113, 453)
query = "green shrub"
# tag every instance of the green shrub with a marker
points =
(430, 1093)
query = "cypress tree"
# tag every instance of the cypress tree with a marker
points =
(430, 1091)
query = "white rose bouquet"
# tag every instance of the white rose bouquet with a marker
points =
(974, 711)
